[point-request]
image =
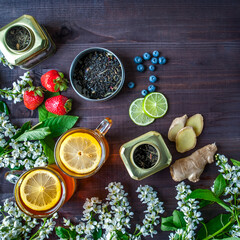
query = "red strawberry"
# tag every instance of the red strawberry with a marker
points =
(33, 97)
(54, 81)
(59, 105)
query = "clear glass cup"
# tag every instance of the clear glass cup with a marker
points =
(68, 187)
(98, 134)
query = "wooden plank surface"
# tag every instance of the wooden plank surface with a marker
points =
(201, 42)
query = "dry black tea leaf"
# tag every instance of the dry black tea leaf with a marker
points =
(98, 74)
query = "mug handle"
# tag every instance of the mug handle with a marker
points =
(104, 126)
(13, 176)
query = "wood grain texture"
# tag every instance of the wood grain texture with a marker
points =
(201, 40)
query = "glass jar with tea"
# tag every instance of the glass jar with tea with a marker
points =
(25, 43)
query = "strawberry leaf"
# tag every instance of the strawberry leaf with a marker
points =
(61, 74)
(56, 87)
(39, 93)
(62, 88)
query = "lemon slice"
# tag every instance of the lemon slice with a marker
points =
(80, 153)
(40, 190)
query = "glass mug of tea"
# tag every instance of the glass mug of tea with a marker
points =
(81, 152)
(41, 191)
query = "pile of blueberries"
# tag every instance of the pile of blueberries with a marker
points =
(141, 68)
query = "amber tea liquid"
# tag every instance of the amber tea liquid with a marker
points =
(93, 133)
(68, 186)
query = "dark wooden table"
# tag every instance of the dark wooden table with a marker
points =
(201, 40)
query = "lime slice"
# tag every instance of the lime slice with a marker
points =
(155, 105)
(137, 114)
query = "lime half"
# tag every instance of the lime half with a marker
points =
(137, 114)
(155, 105)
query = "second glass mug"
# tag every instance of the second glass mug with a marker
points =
(23, 179)
(97, 134)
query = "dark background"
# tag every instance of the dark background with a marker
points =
(201, 42)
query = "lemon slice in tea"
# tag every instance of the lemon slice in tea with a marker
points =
(80, 153)
(137, 114)
(155, 105)
(40, 190)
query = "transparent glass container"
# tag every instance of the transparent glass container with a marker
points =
(25, 43)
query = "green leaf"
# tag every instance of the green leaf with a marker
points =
(65, 233)
(235, 162)
(36, 134)
(230, 238)
(204, 203)
(56, 87)
(58, 125)
(42, 111)
(219, 185)
(97, 234)
(4, 107)
(61, 74)
(208, 195)
(26, 126)
(178, 219)
(213, 225)
(48, 147)
(121, 236)
(167, 224)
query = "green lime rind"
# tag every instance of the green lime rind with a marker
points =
(155, 105)
(137, 114)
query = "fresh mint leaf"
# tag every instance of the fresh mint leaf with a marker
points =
(4, 107)
(208, 195)
(42, 111)
(58, 125)
(36, 134)
(48, 147)
(97, 234)
(65, 233)
(219, 185)
(178, 219)
(167, 224)
(121, 236)
(213, 225)
(235, 162)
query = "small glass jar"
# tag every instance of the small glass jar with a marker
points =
(147, 147)
(25, 43)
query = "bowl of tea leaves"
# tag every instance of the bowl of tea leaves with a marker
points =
(97, 74)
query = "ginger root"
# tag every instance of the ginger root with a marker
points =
(176, 125)
(196, 122)
(192, 166)
(186, 139)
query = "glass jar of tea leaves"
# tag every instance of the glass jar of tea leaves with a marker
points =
(25, 43)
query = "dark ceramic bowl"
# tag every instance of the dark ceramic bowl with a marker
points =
(76, 86)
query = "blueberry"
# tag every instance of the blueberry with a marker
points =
(162, 60)
(152, 79)
(152, 68)
(154, 60)
(151, 88)
(146, 56)
(144, 92)
(131, 84)
(155, 53)
(140, 68)
(138, 60)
